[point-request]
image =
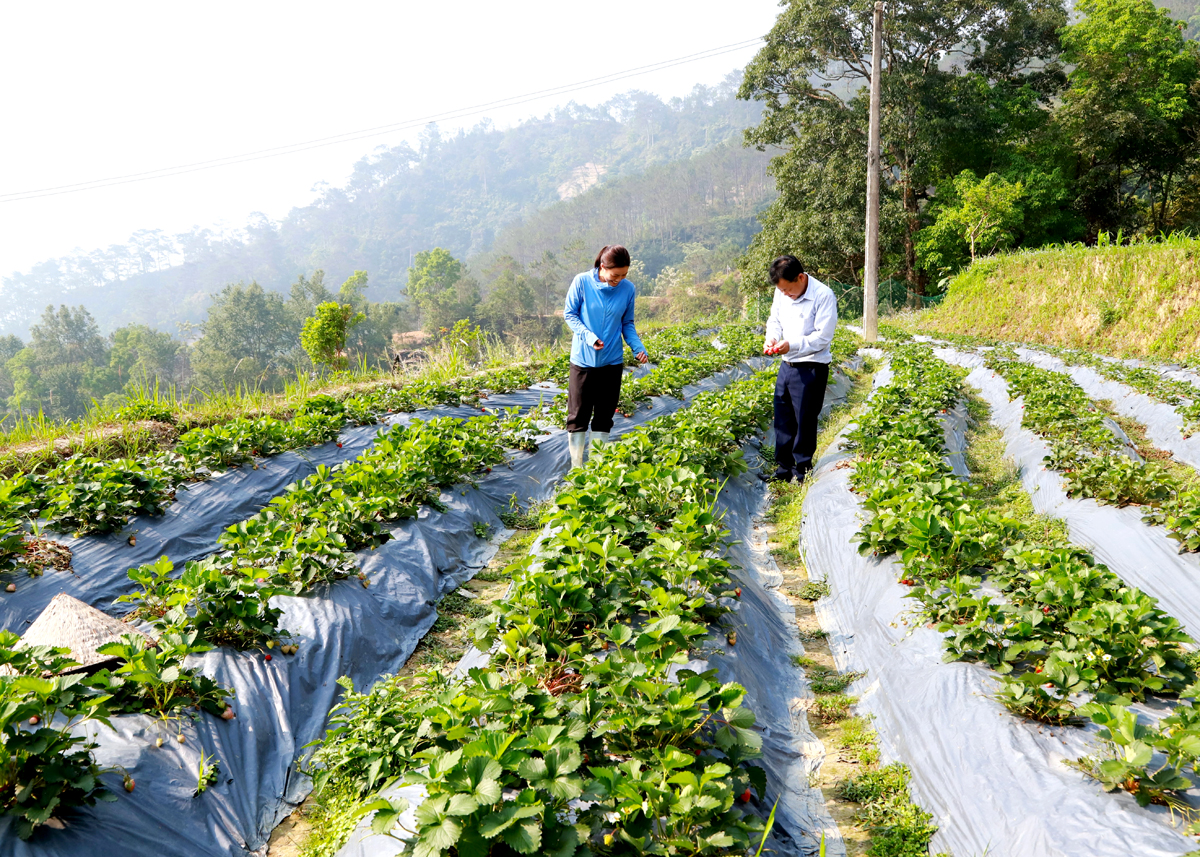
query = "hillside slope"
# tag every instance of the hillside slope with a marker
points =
(1133, 301)
(455, 192)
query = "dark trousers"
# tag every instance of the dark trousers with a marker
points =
(592, 396)
(799, 396)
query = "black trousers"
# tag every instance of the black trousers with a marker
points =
(592, 396)
(799, 396)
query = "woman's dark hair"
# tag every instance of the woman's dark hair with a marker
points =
(785, 268)
(612, 256)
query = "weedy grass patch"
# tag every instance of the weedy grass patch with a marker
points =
(1132, 300)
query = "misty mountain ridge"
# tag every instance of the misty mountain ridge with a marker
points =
(455, 191)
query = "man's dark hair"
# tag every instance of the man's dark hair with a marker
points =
(785, 268)
(612, 256)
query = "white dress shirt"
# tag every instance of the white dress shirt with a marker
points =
(806, 323)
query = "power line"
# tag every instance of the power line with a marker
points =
(350, 136)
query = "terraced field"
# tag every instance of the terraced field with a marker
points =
(999, 544)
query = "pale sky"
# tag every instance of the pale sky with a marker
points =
(97, 90)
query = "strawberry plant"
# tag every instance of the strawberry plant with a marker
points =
(152, 678)
(214, 601)
(1181, 516)
(86, 495)
(1134, 745)
(46, 768)
(1060, 624)
(585, 698)
(231, 603)
(12, 543)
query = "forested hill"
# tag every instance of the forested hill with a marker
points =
(455, 192)
(1184, 10)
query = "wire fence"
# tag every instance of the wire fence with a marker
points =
(894, 296)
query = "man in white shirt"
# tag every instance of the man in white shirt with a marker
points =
(800, 329)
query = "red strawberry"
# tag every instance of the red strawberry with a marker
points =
(746, 796)
(339, 444)
(1038, 670)
(738, 592)
(267, 657)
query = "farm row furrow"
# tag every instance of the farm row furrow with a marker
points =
(1025, 624)
(86, 495)
(346, 629)
(192, 525)
(1166, 386)
(1168, 421)
(1095, 461)
(598, 634)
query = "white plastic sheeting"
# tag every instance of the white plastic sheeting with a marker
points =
(342, 629)
(1141, 555)
(995, 783)
(776, 690)
(1164, 426)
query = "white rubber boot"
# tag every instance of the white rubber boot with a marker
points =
(600, 437)
(577, 443)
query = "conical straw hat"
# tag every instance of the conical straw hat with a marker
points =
(70, 624)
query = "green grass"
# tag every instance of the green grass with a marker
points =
(454, 611)
(898, 826)
(518, 518)
(787, 500)
(1138, 300)
(33, 442)
(858, 741)
(831, 708)
(813, 590)
(332, 816)
(998, 478)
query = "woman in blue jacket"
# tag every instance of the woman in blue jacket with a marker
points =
(599, 312)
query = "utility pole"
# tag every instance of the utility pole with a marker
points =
(871, 268)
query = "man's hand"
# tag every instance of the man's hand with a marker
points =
(643, 357)
(599, 344)
(774, 347)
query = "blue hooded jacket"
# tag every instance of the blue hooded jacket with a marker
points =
(596, 310)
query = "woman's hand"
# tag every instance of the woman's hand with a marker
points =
(599, 344)
(643, 357)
